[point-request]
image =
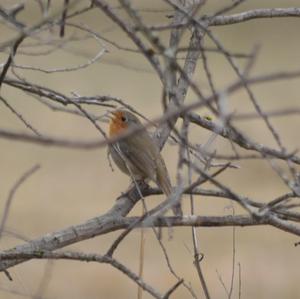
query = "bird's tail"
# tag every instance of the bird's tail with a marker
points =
(165, 184)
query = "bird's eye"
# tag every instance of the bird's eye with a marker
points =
(123, 118)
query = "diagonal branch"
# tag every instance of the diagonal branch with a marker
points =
(255, 14)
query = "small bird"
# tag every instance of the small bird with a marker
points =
(138, 155)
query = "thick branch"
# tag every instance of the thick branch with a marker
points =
(114, 220)
(241, 17)
(255, 14)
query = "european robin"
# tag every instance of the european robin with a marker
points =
(138, 155)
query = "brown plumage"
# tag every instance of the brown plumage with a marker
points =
(138, 155)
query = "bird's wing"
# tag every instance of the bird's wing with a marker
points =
(141, 153)
(148, 162)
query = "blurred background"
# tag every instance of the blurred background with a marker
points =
(75, 185)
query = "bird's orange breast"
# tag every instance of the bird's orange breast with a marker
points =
(117, 125)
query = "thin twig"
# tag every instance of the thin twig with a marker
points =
(10, 58)
(12, 192)
(20, 116)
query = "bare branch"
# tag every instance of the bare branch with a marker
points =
(255, 14)
(108, 223)
(78, 256)
(12, 192)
